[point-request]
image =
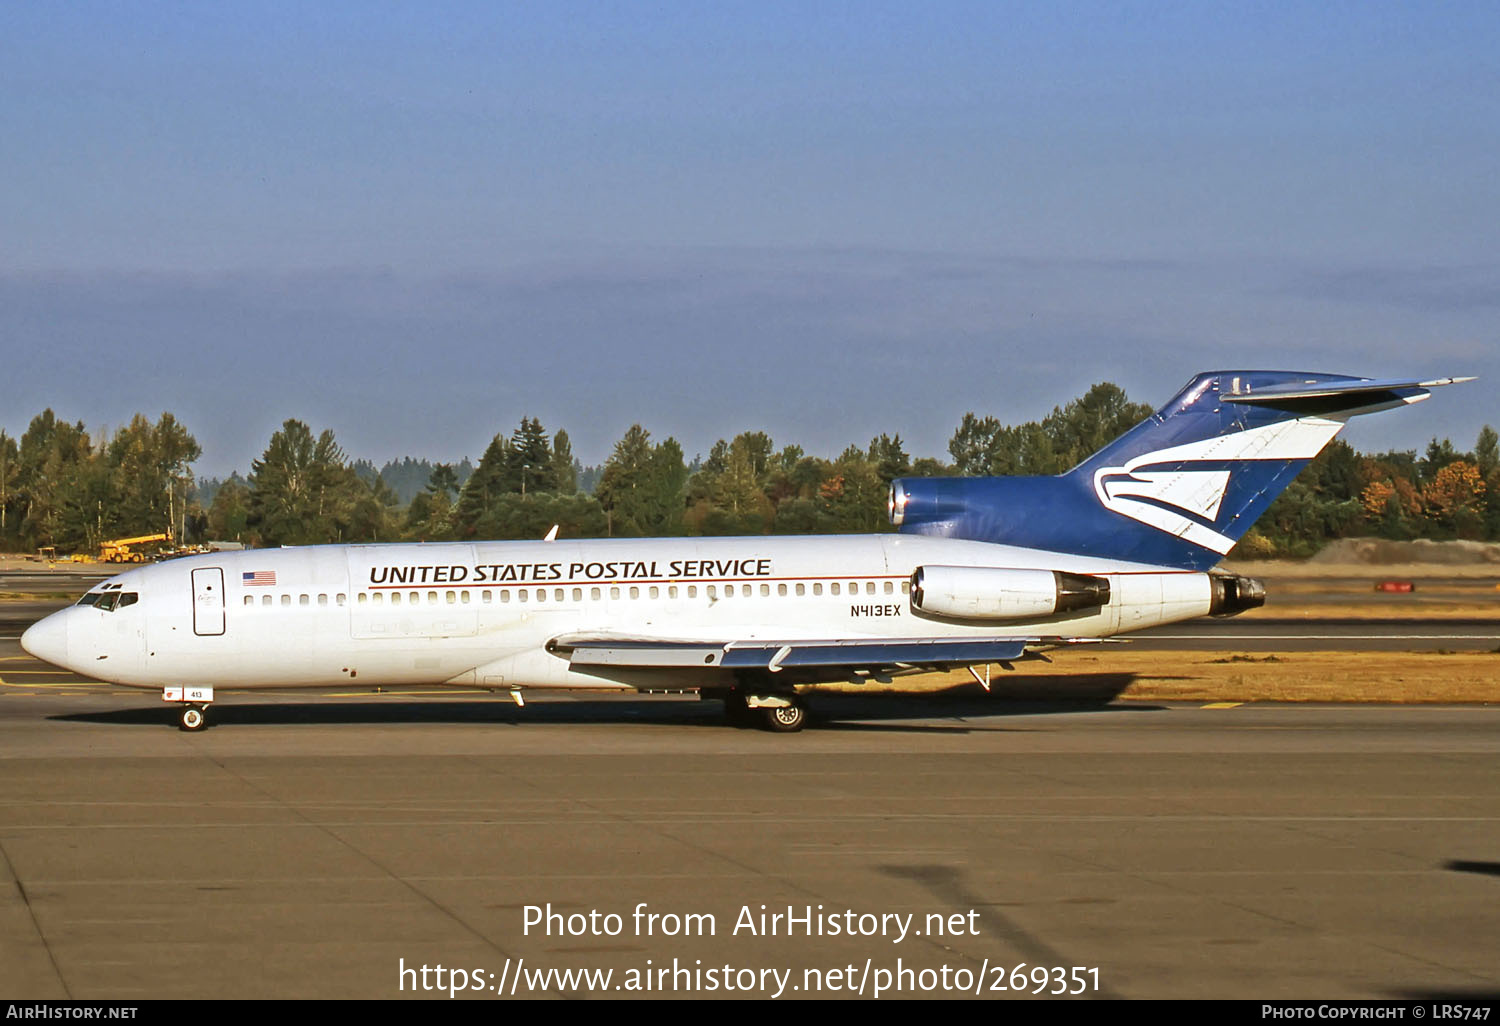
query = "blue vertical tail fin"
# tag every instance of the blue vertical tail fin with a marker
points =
(1179, 488)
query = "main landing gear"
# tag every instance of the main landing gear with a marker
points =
(781, 712)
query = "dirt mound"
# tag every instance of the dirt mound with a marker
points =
(1381, 552)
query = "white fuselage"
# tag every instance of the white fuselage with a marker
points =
(483, 614)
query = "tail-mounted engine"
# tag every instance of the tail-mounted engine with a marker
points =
(1232, 594)
(993, 594)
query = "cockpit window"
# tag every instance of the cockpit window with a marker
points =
(109, 601)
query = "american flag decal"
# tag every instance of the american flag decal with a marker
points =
(260, 578)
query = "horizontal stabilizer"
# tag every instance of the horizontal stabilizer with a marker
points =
(1336, 396)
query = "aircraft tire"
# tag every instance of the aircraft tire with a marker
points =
(192, 718)
(786, 719)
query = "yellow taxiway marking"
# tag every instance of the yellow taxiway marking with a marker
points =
(1222, 705)
(44, 684)
(48, 684)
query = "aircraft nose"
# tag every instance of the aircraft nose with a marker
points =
(47, 639)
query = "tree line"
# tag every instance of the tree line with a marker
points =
(62, 487)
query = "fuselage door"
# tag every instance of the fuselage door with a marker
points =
(208, 601)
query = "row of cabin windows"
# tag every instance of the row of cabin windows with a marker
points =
(302, 600)
(654, 591)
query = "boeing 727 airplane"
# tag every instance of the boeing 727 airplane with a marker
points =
(980, 571)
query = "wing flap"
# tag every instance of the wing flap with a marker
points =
(776, 655)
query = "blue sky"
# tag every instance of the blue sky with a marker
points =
(416, 223)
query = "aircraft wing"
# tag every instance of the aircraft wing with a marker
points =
(759, 654)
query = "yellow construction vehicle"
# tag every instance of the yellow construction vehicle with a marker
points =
(121, 549)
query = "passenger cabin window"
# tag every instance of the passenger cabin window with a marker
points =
(286, 600)
(889, 587)
(635, 592)
(765, 589)
(577, 594)
(869, 587)
(614, 593)
(801, 589)
(818, 589)
(833, 589)
(558, 594)
(249, 600)
(595, 593)
(303, 600)
(265, 600)
(323, 600)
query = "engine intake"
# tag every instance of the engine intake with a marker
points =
(993, 594)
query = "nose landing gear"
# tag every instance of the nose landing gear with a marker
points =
(194, 702)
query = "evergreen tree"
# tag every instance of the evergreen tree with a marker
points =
(889, 458)
(531, 459)
(150, 479)
(484, 487)
(50, 479)
(1437, 456)
(564, 466)
(640, 489)
(229, 515)
(302, 491)
(1487, 459)
(1487, 451)
(443, 482)
(9, 474)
